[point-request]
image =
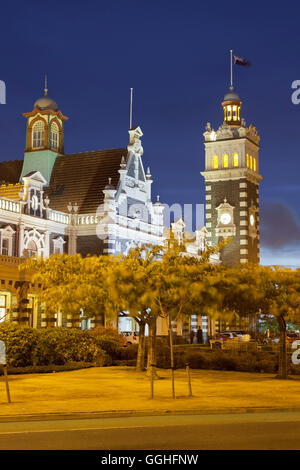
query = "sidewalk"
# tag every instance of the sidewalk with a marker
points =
(121, 391)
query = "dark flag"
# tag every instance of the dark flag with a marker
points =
(239, 61)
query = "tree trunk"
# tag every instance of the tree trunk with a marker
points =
(282, 366)
(152, 348)
(140, 363)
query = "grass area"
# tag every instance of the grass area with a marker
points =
(122, 388)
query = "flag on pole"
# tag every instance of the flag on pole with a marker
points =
(240, 61)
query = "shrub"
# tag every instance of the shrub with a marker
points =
(41, 347)
(108, 339)
(128, 353)
(20, 343)
(196, 360)
(61, 345)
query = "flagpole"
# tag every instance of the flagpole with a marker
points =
(130, 121)
(231, 79)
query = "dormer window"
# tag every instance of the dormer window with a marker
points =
(54, 136)
(38, 135)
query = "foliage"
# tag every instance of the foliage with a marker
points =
(72, 284)
(59, 346)
(251, 361)
(108, 339)
(20, 343)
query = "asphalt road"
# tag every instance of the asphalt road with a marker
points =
(261, 431)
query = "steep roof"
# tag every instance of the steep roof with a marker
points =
(82, 177)
(10, 171)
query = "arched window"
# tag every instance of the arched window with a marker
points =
(225, 160)
(254, 164)
(38, 135)
(54, 136)
(215, 162)
(235, 160)
(247, 157)
(251, 162)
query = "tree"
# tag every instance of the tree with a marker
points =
(249, 290)
(73, 284)
(129, 292)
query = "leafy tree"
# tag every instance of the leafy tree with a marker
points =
(249, 290)
(73, 284)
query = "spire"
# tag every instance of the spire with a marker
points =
(232, 103)
(46, 89)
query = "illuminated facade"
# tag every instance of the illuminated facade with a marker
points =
(232, 184)
(96, 202)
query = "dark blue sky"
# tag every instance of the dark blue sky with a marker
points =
(175, 55)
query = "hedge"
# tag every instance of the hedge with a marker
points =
(26, 346)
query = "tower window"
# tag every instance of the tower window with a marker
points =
(235, 160)
(225, 160)
(234, 112)
(251, 162)
(38, 135)
(247, 158)
(254, 164)
(229, 113)
(215, 162)
(54, 136)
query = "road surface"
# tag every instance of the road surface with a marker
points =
(261, 431)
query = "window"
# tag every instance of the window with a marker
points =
(38, 135)
(247, 160)
(225, 160)
(54, 136)
(215, 162)
(3, 306)
(229, 113)
(234, 112)
(5, 246)
(31, 249)
(251, 162)
(235, 160)
(254, 164)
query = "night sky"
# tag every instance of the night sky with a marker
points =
(175, 54)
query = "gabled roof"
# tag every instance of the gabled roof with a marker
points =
(10, 171)
(82, 177)
(36, 176)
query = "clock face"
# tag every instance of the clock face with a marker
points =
(252, 220)
(225, 218)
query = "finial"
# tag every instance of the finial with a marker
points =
(46, 89)
(109, 180)
(123, 163)
(225, 199)
(157, 198)
(148, 174)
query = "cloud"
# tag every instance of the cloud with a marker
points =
(279, 226)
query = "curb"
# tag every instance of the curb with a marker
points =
(140, 413)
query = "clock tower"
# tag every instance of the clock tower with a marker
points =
(232, 184)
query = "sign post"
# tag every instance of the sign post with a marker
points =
(3, 362)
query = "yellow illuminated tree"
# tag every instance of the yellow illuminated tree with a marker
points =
(73, 284)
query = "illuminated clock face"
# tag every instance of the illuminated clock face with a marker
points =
(252, 220)
(225, 218)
